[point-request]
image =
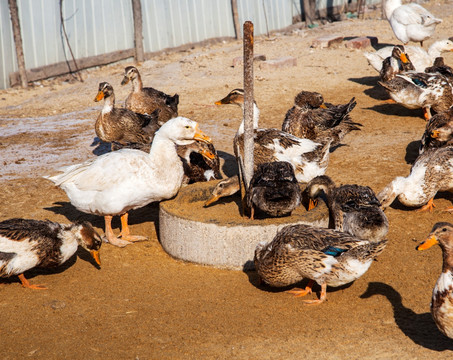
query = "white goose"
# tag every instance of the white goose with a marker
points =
(410, 22)
(420, 58)
(116, 182)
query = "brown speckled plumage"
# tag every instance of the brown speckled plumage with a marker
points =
(442, 296)
(145, 100)
(274, 189)
(306, 119)
(398, 62)
(353, 208)
(421, 90)
(123, 127)
(438, 131)
(38, 243)
(326, 256)
(431, 172)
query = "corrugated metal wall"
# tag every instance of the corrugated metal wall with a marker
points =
(103, 26)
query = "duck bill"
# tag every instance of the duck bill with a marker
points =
(224, 101)
(404, 58)
(435, 134)
(95, 255)
(323, 106)
(211, 200)
(428, 243)
(200, 136)
(125, 80)
(99, 96)
(207, 154)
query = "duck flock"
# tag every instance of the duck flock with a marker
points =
(154, 152)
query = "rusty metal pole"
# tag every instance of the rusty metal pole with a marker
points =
(248, 103)
(237, 26)
(138, 31)
(18, 42)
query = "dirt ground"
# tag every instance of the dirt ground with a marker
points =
(143, 304)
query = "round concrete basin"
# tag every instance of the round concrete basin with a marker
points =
(218, 235)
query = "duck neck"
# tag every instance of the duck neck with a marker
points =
(109, 104)
(163, 154)
(137, 84)
(256, 118)
(390, 6)
(435, 50)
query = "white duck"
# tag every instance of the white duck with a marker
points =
(420, 58)
(116, 182)
(410, 22)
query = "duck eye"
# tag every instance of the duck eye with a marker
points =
(187, 127)
(444, 229)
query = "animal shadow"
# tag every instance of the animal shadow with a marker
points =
(412, 151)
(101, 147)
(420, 328)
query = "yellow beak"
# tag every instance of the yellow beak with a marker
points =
(427, 243)
(200, 136)
(95, 255)
(435, 134)
(212, 199)
(323, 106)
(207, 154)
(404, 58)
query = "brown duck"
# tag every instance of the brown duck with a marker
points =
(438, 131)
(145, 100)
(26, 244)
(442, 297)
(123, 127)
(310, 118)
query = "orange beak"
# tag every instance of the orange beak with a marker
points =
(404, 58)
(95, 255)
(323, 106)
(207, 154)
(200, 136)
(427, 243)
(435, 134)
(99, 96)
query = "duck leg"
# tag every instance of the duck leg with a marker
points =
(426, 113)
(429, 206)
(26, 284)
(299, 292)
(110, 236)
(322, 297)
(125, 232)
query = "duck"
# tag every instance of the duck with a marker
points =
(431, 172)
(416, 90)
(224, 188)
(308, 158)
(440, 67)
(442, 297)
(420, 57)
(117, 182)
(438, 131)
(397, 63)
(325, 256)
(410, 22)
(200, 161)
(273, 190)
(308, 119)
(145, 100)
(123, 127)
(353, 208)
(27, 243)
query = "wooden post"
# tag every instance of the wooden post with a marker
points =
(138, 31)
(309, 12)
(248, 103)
(14, 12)
(237, 29)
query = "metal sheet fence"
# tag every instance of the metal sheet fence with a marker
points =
(104, 26)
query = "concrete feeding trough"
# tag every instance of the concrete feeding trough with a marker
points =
(218, 235)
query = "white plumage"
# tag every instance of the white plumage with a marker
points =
(410, 22)
(116, 182)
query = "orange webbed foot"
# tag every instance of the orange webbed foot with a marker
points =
(302, 292)
(428, 207)
(26, 284)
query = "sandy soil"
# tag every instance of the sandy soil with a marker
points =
(142, 303)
